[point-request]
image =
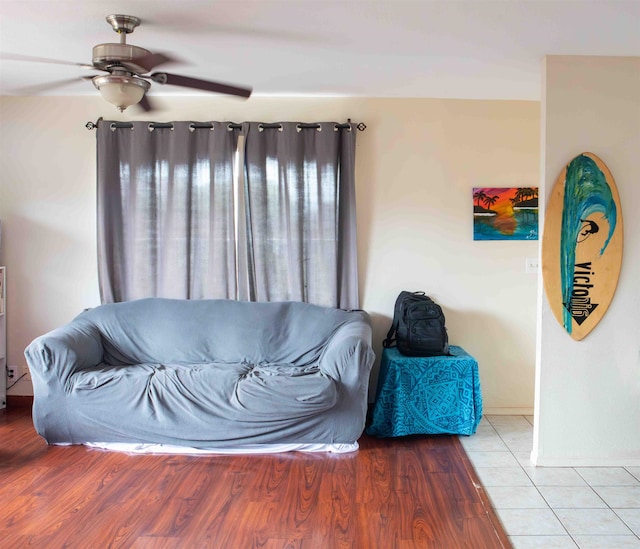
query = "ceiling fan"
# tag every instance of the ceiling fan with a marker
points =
(127, 66)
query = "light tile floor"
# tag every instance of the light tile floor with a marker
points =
(553, 507)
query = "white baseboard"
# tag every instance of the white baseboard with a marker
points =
(507, 411)
(586, 462)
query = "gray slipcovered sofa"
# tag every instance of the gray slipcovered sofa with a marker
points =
(203, 374)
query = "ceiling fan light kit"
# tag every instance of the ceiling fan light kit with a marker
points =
(121, 91)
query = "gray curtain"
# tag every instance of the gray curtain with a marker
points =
(172, 223)
(166, 211)
(299, 197)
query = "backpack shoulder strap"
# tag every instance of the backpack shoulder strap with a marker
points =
(390, 339)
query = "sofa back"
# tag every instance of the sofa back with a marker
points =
(158, 330)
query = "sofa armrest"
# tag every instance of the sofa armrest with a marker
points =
(348, 356)
(64, 351)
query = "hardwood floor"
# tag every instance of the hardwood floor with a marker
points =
(392, 493)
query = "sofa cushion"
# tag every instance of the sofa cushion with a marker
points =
(180, 331)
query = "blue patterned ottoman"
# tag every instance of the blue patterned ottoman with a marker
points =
(427, 395)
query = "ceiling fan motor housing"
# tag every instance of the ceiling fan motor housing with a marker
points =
(109, 55)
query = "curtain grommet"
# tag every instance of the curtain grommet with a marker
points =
(193, 127)
(114, 126)
(159, 125)
(300, 127)
(262, 127)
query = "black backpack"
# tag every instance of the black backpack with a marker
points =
(418, 324)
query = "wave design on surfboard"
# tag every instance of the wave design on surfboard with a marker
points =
(586, 192)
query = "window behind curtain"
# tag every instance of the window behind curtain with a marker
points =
(165, 211)
(296, 211)
(166, 223)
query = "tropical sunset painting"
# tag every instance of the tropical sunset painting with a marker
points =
(505, 213)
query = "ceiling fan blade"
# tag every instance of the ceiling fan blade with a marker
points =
(152, 60)
(146, 104)
(40, 88)
(6, 56)
(196, 83)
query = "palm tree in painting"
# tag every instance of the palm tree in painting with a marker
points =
(518, 196)
(526, 195)
(490, 201)
(479, 196)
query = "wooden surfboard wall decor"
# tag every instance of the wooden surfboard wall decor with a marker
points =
(582, 244)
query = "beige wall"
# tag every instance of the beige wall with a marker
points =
(417, 163)
(588, 392)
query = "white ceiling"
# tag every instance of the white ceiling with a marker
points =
(483, 49)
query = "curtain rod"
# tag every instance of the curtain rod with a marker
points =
(232, 126)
